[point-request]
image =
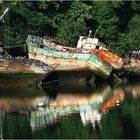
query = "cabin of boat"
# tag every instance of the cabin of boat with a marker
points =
(96, 47)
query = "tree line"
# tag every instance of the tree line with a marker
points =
(117, 22)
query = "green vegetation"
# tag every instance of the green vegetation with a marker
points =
(117, 22)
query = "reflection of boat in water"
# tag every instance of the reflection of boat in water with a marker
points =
(133, 88)
(71, 99)
(21, 71)
(92, 116)
(67, 103)
(22, 98)
(41, 111)
(117, 97)
(69, 59)
(16, 103)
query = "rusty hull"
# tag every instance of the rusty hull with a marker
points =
(63, 64)
(68, 59)
(107, 56)
(21, 71)
(133, 67)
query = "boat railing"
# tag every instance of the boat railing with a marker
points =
(64, 48)
(35, 39)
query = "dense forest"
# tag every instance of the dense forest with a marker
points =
(117, 22)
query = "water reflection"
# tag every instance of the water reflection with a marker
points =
(133, 89)
(30, 112)
(19, 98)
(66, 103)
(115, 100)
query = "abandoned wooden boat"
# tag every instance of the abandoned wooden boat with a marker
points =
(68, 59)
(132, 66)
(132, 63)
(21, 71)
(87, 44)
(114, 60)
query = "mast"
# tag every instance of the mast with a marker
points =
(95, 32)
(5, 11)
(2, 19)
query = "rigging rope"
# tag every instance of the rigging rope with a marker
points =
(16, 46)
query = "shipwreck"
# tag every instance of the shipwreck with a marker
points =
(21, 71)
(132, 63)
(67, 58)
(87, 44)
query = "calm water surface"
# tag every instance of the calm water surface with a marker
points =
(72, 110)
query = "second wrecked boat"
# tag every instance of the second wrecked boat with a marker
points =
(21, 71)
(132, 63)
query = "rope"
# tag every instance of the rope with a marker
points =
(10, 47)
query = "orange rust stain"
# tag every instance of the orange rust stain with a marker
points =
(13, 66)
(113, 59)
(16, 67)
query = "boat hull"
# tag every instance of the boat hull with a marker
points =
(103, 69)
(133, 68)
(114, 60)
(68, 60)
(100, 67)
(22, 71)
(63, 64)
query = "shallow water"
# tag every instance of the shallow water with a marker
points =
(72, 110)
